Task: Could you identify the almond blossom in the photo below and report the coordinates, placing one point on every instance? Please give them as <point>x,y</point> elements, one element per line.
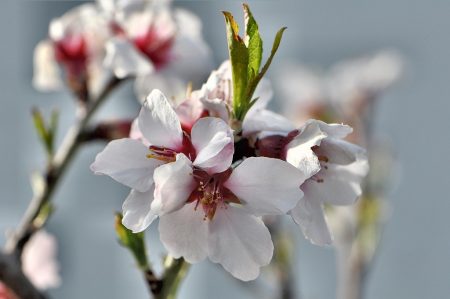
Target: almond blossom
<point>150,40</point>
<point>207,208</point>
<point>162,46</point>
<point>336,169</point>
<point>75,47</point>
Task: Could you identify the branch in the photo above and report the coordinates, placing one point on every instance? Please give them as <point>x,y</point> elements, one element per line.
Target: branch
<point>55,171</point>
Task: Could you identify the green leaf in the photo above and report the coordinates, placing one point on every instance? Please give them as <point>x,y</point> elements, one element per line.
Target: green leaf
<point>239,58</point>
<point>45,133</point>
<point>246,57</point>
<point>134,242</point>
<point>275,45</point>
<point>254,43</point>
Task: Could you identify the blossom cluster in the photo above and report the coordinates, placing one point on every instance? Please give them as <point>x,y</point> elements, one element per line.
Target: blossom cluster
<point>147,40</point>
<point>209,178</point>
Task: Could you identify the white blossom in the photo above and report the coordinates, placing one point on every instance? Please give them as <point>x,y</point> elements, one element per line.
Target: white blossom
<point>206,207</point>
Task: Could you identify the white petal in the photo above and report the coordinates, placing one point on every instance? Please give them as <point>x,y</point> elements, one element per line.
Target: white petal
<point>216,108</point>
<point>340,151</point>
<point>331,130</point>
<point>39,261</point>
<point>309,215</point>
<point>240,242</point>
<point>262,120</point>
<point>125,160</point>
<point>266,185</point>
<point>137,214</point>
<point>47,75</point>
<point>299,153</point>
<point>339,185</point>
<point>159,123</point>
<point>174,183</point>
<point>190,110</point>
<point>125,60</point>
<point>184,233</point>
<point>213,141</point>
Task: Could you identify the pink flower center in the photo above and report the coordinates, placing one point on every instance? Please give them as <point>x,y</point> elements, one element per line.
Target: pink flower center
<point>210,193</point>
<point>71,52</point>
<point>155,46</point>
<point>275,146</point>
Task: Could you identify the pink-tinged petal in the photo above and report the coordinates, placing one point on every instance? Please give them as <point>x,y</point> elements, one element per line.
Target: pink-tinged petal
<point>174,183</point>
<point>125,160</point>
<point>339,184</point>
<point>266,186</point>
<point>308,214</point>
<point>299,153</point>
<point>47,75</point>
<point>136,134</point>
<point>263,120</point>
<point>184,233</point>
<point>213,141</point>
<point>125,60</point>
<point>137,213</point>
<point>216,108</point>
<point>240,242</point>
<point>190,110</point>
<point>39,261</point>
<point>159,123</point>
<point>340,151</point>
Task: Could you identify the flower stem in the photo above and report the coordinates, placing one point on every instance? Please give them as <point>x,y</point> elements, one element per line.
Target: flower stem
<point>176,270</point>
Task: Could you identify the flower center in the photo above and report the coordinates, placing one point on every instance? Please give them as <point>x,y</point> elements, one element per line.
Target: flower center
<point>160,153</point>
<point>323,160</point>
<point>275,146</point>
<point>210,193</point>
<point>155,46</point>
<point>71,52</point>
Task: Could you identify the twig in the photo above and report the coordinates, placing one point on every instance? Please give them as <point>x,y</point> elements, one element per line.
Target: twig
<point>55,171</point>
<point>10,264</point>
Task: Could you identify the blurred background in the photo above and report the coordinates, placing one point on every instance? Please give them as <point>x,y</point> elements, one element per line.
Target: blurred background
<point>414,258</point>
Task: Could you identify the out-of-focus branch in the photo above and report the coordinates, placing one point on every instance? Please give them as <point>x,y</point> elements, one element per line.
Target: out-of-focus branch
<point>39,208</point>
<point>55,171</point>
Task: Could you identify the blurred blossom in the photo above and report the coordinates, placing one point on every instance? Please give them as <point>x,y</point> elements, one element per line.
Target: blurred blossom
<point>39,262</point>
<point>75,47</point>
<point>157,43</point>
<point>160,45</point>
<point>364,77</point>
<point>341,92</point>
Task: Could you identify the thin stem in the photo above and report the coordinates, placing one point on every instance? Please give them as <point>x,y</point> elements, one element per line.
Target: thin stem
<point>176,270</point>
<point>55,171</point>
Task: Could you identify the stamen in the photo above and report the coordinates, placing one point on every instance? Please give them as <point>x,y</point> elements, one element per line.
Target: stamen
<point>161,158</point>
<point>323,158</point>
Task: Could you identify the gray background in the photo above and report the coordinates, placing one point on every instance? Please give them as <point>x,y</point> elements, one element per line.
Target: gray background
<point>414,260</point>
